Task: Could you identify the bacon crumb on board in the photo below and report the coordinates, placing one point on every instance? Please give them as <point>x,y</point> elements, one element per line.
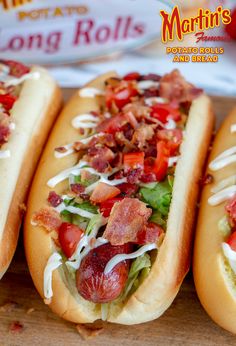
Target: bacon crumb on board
<point>88,332</point>
<point>16,327</point>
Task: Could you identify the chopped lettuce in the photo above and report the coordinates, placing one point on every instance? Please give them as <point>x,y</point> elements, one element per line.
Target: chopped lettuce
<point>77,180</point>
<point>159,197</point>
<point>138,271</point>
<point>157,218</point>
<point>95,223</point>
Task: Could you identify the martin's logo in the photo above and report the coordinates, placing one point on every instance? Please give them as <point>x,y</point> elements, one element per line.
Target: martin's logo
<point>9,4</point>
<point>173,26</point>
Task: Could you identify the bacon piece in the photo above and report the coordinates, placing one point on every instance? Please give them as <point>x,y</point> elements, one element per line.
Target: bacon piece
<point>54,199</point>
<point>231,210</point>
<point>78,189</point>
<point>149,234</point>
<point>134,175</point>
<point>4,128</point>
<point>128,189</point>
<point>137,109</point>
<point>174,87</point>
<point>102,192</point>
<point>143,134</point>
<point>151,76</point>
<point>127,218</point>
<point>100,157</point>
<point>47,218</point>
<point>16,327</point>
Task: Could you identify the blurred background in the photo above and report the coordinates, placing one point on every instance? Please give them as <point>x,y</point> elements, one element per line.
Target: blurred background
<point>78,40</point>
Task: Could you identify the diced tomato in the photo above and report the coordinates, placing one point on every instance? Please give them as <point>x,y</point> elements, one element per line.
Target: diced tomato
<point>133,161</point>
<point>113,124</point>
<point>132,76</point>
<point>103,192</point>
<point>159,165</point>
<point>128,189</point>
<point>69,237</point>
<point>149,234</point>
<point>16,68</point>
<point>163,111</point>
<point>7,100</point>
<point>105,207</point>
<point>231,209</point>
<point>173,139</point>
<point>232,241</point>
<point>120,96</point>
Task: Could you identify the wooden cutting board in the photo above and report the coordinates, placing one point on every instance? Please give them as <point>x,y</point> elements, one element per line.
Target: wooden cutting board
<point>184,323</point>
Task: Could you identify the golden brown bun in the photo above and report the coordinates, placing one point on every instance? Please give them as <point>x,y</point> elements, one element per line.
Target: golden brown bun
<point>213,279</point>
<point>33,113</point>
<point>172,263</point>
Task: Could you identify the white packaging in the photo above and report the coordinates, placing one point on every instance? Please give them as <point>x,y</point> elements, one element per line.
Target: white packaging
<point>61,31</point>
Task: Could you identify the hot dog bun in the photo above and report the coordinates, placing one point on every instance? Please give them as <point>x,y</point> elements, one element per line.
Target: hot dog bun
<point>161,286</point>
<point>33,113</point>
<point>213,278</point>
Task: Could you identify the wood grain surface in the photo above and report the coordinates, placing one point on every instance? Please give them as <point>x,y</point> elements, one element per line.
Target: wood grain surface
<point>184,323</point>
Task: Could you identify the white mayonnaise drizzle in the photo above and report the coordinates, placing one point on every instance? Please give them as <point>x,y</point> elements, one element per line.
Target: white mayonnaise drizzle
<point>222,195</point>
<point>90,92</point>
<point>146,84</point>
<point>170,125</point>
<point>74,210</point>
<point>172,160</point>
<point>68,150</point>
<point>233,128</point>
<point>230,255</point>
<point>122,257</point>
<point>4,154</point>
<point>224,183</point>
<point>224,159</point>
<point>84,245</point>
<point>75,170</point>
<point>85,121</point>
<point>16,81</point>
<point>150,101</point>
<point>54,261</point>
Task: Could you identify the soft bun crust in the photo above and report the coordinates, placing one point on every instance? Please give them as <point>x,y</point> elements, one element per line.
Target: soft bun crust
<point>33,113</point>
<point>161,286</point>
<point>214,281</point>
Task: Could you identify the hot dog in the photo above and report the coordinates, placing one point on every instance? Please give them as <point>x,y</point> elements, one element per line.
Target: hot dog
<point>110,213</point>
<point>29,102</point>
<point>214,249</point>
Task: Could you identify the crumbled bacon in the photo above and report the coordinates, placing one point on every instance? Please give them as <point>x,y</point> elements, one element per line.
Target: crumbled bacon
<point>137,109</point>
<point>148,177</point>
<point>106,139</point>
<point>4,128</point>
<point>231,210</point>
<point>123,141</point>
<point>149,234</point>
<point>61,149</point>
<point>54,199</point>
<point>122,226</point>
<point>143,134</point>
<point>88,332</point>
<point>47,218</point>
<point>78,189</point>
<point>208,179</point>
<point>174,87</point>
<point>16,327</point>
<point>134,175</point>
<point>16,68</point>
<point>103,192</point>
<point>128,189</point>
<point>100,157</point>
<point>152,92</point>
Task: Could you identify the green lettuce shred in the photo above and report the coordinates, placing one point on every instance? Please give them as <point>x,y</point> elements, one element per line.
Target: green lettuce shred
<point>157,218</point>
<point>159,197</point>
<point>139,269</point>
<point>224,226</point>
